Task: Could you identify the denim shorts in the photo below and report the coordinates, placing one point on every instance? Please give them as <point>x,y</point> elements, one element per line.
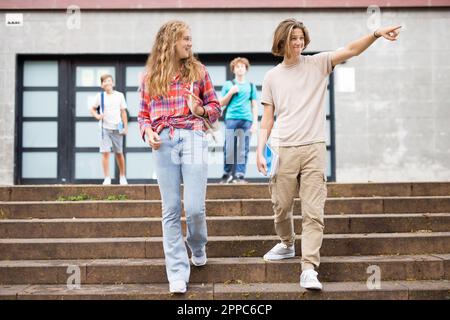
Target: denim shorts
<point>111,139</point>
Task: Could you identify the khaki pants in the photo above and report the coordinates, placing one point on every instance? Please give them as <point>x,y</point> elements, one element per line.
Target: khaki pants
<point>301,172</point>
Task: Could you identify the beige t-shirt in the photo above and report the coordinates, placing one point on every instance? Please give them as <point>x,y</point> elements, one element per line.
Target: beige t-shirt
<point>297,93</point>
<point>113,104</point>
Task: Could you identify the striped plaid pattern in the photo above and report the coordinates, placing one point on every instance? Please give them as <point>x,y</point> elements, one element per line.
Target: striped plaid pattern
<point>172,111</point>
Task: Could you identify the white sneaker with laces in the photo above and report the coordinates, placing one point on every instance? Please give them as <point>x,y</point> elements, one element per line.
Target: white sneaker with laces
<point>177,286</point>
<point>308,280</point>
<point>123,180</point>
<point>107,181</point>
<point>199,261</point>
<point>280,251</point>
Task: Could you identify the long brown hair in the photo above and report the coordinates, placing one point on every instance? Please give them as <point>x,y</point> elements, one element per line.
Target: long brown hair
<point>282,35</point>
<point>160,64</point>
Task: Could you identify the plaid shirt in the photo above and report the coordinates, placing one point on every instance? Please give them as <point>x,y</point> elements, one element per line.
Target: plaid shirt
<point>172,111</point>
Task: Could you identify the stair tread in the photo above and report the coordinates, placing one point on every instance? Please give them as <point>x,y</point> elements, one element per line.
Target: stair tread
<point>222,218</point>
<point>224,260</point>
<point>221,200</point>
<point>157,291</point>
<point>406,289</point>
<point>265,289</point>
<point>224,238</point>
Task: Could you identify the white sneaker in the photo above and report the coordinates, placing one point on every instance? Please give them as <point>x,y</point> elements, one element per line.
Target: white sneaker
<point>123,180</point>
<point>308,280</point>
<point>177,286</point>
<point>279,252</point>
<point>199,261</point>
<point>107,181</point>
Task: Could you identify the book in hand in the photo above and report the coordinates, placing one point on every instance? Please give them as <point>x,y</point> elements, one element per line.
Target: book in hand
<point>271,160</point>
<point>211,128</point>
<point>121,128</point>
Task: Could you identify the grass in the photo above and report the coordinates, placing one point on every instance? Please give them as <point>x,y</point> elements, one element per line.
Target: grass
<point>3,215</point>
<point>85,197</point>
<point>249,253</point>
<point>80,197</point>
<point>116,197</point>
<point>233,281</point>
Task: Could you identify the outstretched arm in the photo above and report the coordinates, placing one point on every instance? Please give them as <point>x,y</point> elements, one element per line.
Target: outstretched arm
<point>356,47</point>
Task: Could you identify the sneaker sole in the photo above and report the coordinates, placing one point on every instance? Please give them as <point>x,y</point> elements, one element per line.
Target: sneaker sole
<point>311,287</point>
<point>178,292</point>
<point>199,265</point>
<point>279,258</point>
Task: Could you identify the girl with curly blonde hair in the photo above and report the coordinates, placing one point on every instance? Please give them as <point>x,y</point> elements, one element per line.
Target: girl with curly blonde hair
<point>177,96</point>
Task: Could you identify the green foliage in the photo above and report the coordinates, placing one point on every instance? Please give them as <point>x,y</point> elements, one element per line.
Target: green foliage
<point>116,197</point>
<point>80,197</point>
<point>85,197</point>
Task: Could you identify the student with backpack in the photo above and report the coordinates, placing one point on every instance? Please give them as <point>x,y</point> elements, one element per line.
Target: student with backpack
<point>110,109</point>
<point>239,97</point>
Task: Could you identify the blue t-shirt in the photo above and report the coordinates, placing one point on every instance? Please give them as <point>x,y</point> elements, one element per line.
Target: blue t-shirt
<point>240,107</point>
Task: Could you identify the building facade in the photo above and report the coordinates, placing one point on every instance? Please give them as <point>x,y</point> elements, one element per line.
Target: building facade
<point>388,110</point>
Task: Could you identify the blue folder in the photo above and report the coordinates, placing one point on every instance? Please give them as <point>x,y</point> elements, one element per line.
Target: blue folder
<point>272,160</point>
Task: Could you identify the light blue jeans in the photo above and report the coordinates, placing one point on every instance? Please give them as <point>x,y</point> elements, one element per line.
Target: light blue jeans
<point>182,159</point>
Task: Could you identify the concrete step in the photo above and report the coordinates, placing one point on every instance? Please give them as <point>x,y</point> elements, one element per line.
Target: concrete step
<point>218,191</point>
<point>152,208</point>
<point>218,226</point>
<point>225,270</point>
<point>159,291</point>
<point>222,246</point>
<point>390,290</point>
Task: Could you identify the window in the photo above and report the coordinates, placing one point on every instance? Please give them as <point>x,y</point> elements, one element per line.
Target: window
<point>58,139</point>
<point>38,103</point>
